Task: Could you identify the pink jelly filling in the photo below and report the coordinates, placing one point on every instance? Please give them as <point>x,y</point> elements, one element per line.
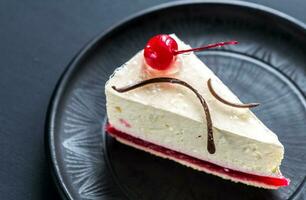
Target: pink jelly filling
<point>273,181</point>
<point>125,123</point>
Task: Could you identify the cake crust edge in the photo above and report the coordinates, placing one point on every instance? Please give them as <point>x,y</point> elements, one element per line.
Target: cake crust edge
<point>191,165</point>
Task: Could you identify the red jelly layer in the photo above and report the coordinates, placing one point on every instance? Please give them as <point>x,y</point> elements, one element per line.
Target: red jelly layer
<point>272,181</point>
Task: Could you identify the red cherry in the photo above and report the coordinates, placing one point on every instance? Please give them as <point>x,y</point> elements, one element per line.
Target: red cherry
<point>161,51</point>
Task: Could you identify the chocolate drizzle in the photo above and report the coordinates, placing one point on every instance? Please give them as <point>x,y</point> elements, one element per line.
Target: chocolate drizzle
<point>210,138</point>
<point>213,92</point>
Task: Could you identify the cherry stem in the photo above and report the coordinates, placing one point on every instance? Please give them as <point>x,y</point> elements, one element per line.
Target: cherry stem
<point>219,44</point>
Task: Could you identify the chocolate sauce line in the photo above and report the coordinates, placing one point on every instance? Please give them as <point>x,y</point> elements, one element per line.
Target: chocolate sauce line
<point>213,92</point>
<point>210,138</point>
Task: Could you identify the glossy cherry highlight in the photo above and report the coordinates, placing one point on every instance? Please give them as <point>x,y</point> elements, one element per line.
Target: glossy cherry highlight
<point>161,51</point>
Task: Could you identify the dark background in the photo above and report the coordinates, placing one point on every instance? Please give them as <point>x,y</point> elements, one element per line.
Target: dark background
<point>38,38</point>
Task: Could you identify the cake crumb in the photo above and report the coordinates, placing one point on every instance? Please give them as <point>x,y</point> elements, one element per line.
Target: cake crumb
<point>118,109</point>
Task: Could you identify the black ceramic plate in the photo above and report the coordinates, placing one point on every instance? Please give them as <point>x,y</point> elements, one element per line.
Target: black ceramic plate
<point>268,66</point>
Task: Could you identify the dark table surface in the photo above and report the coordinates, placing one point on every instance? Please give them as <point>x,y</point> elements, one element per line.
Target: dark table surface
<point>37,40</point>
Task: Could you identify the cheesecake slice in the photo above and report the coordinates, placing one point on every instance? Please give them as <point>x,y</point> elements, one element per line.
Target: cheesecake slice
<point>167,120</point>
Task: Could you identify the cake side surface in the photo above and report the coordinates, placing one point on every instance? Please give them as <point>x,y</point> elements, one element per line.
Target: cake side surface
<point>189,137</point>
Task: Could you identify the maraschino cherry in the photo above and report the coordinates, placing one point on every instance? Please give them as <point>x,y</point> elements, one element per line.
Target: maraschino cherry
<point>161,51</point>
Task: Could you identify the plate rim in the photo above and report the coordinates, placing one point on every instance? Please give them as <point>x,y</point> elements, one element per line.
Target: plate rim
<point>88,47</point>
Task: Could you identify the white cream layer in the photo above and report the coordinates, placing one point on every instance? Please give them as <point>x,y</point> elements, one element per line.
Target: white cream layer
<point>172,116</point>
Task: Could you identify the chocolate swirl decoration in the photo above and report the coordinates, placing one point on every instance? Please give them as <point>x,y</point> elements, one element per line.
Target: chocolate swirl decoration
<point>213,92</point>
<point>210,138</point>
